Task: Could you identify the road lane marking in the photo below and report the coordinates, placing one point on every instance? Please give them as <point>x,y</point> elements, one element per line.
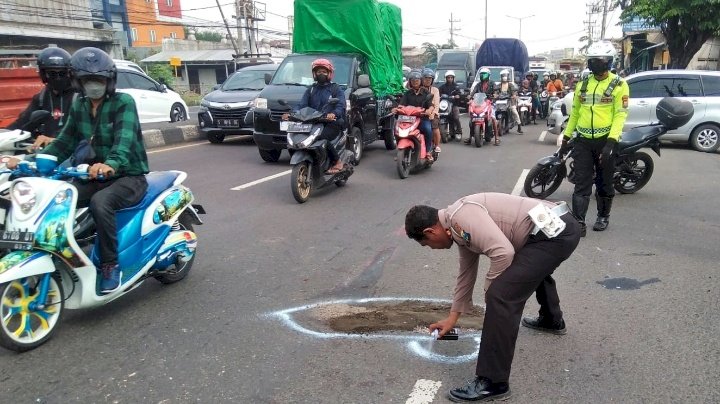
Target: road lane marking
<point>177,147</point>
<point>520,182</point>
<point>542,136</point>
<point>424,392</point>
<point>260,181</point>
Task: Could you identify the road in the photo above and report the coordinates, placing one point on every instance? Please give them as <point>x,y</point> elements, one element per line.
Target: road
<point>640,300</point>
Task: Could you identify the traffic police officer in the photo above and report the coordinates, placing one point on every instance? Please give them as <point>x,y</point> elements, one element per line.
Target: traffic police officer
<point>523,257</point>
<point>598,114</point>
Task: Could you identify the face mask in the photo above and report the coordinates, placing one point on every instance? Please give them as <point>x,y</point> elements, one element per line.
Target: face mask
<point>321,78</point>
<point>59,84</point>
<point>597,66</point>
<point>94,90</point>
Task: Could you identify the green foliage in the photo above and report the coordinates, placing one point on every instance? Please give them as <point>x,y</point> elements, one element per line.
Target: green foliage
<point>210,36</point>
<point>686,24</point>
<point>431,50</point>
<point>162,73</point>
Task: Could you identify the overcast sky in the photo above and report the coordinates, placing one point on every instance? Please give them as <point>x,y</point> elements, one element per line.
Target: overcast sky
<point>556,24</point>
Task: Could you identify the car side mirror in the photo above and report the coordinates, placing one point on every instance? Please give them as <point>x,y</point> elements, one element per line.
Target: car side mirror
<point>363,81</point>
<point>163,88</point>
<point>217,86</point>
<point>268,77</point>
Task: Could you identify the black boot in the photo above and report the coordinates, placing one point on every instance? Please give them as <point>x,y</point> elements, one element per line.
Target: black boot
<point>603,220</point>
<point>520,132</point>
<point>480,389</point>
<point>579,208</point>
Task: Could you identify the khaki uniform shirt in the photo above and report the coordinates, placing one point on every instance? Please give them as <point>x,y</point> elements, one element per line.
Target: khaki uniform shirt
<point>492,224</point>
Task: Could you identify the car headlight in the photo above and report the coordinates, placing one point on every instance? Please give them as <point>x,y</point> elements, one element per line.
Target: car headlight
<point>24,195</point>
<point>204,103</point>
<point>261,103</point>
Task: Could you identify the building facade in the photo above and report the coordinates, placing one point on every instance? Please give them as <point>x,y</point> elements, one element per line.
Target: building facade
<point>151,21</point>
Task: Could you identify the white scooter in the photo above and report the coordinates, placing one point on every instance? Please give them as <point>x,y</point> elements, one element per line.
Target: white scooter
<point>48,269</point>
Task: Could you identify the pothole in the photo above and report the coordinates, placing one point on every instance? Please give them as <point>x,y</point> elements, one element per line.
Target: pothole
<point>367,317</point>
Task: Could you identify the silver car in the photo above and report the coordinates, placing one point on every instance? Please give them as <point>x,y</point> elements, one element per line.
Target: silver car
<point>701,88</point>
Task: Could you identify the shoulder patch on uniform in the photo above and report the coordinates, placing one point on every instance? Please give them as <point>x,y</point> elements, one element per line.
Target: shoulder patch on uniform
<point>625,99</point>
<point>462,233</point>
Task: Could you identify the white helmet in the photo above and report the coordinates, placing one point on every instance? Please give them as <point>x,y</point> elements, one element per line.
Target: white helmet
<point>450,73</point>
<point>504,75</point>
<point>601,50</point>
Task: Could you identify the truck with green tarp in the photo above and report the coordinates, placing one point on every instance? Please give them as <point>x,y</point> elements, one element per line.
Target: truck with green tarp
<point>363,39</point>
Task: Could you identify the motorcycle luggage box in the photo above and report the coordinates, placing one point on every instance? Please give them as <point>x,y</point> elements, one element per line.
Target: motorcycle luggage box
<point>674,113</point>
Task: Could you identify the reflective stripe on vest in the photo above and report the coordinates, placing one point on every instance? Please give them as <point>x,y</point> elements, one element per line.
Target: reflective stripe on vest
<point>600,132</point>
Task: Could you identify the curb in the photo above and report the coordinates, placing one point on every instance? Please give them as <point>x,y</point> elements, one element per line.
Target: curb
<point>155,138</point>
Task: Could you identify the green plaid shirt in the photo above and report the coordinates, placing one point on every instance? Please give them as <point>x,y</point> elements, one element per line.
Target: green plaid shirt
<point>115,132</point>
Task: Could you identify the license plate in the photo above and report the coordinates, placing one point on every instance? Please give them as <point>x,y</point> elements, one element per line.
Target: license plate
<point>17,240</point>
<point>478,119</point>
<point>229,123</point>
<point>406,118</point>
<point>298,127</point>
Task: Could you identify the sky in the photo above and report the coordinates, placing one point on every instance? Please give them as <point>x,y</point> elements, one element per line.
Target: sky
<point>555,24</point>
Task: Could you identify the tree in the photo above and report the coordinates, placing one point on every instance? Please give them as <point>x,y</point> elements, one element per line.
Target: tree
<point>686,24</point>
<point>162,73</point>
<point>210,36</point>
<point>431,50</point>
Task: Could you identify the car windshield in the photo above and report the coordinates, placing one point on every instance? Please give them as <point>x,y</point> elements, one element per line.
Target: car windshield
<point>295,70</point>
<point>246,80</point>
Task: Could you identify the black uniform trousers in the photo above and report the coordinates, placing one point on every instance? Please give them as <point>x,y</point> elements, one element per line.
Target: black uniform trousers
<point>589,169</point>
<point>530,271</point>
<point>104,199</point>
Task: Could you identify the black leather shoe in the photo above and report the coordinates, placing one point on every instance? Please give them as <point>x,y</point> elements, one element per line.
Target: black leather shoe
<point>583,229</point>
<point>601,223</point>
<point>478,390</point>
<point>541,324</point>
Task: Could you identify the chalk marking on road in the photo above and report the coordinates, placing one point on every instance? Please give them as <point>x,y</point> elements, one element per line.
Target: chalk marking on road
<point>542,136</point>
<point>177,147</point>
<point>520,182</point>
<point>413,342</point>
<point>260,181</point>
<point>424,392</point>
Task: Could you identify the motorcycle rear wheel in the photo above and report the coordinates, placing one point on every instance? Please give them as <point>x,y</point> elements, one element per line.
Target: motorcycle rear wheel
<point>633,172</point>
<point>403,161</point>
<point>543,180</point>
<point>181,269</point>
<point>23,329</point>
<point>301,181</point>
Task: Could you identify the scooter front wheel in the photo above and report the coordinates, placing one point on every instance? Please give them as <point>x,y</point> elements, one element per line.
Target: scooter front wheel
<point>404,157</point>
<point>24,325</point>
<point>301,182</point>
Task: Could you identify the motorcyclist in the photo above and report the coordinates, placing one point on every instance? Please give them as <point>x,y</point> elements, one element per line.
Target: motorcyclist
<point>316,96</point>
<point>599,111</point>
<point>103,130</point>
<point>417,96</point>
<point>554,85</point>
<point>452,90</point>
<point>570,81</point>
<point>531,77</point>
<point>506,89</point>
<point>428,76</point>
<point>488,87</point>
<point>546,80</point>
<point>58,94</point>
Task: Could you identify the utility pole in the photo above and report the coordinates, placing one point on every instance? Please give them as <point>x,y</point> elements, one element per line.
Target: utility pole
<point>453,29</point>
<point>486,1</point>
<point>520,19</point>
<point>291,28</point>
<point>227,27</point>
<point>605,11</point>
<point>238,18</point>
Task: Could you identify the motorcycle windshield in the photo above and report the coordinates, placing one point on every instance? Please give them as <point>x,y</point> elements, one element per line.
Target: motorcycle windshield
<point>307,114</point>
<point>479,98</point>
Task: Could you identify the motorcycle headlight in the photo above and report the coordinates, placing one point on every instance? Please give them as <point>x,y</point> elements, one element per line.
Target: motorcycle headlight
<point>388,104</point>
<point>443,104</point>
<point>24,195</point>
<point>261,103</point>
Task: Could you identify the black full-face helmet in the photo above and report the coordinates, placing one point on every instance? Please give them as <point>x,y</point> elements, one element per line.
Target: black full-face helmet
<point>88,62</point>
<point>52,58</point>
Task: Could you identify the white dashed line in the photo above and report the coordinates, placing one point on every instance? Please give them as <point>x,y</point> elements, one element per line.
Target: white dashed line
<point>542,136</point>
<point>423,392</point>
<point>260,181</point>
<point>520,182</point>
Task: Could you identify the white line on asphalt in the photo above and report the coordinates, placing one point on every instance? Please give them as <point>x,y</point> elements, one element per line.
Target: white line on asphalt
<point>260,181</point>
<point>519,184</point>
<point>542,136</point>
<point>423,392</point>
<point>178,147</point>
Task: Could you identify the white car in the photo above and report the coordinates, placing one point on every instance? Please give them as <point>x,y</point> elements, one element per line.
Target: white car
<point>154,101</point>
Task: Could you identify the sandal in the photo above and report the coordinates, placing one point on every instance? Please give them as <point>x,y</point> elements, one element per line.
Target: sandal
<point>497,142</point>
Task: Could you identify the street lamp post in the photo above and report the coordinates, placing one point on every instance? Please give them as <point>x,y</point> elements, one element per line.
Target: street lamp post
<point>520,19</point>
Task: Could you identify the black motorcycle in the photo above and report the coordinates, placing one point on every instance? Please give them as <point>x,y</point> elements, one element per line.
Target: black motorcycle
<point>310,154</point>
<point>502,114</point>
<point>448,131</point>
<point>544,104</point>
<point>633,168</point>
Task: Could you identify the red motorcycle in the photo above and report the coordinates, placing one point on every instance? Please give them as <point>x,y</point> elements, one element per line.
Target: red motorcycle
<point>411,155</point>
<point>481,122</point>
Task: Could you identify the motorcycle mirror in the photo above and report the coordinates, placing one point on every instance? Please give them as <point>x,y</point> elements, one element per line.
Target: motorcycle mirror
<point>268,77</point>
<point>333,101</point>
<point>37,118</point>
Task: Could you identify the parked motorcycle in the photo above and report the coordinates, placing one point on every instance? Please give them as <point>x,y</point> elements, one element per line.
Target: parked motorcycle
<point>310,155</point>
<point>411,155</point>
<point>525,108</point>
<point>448,131</point>
<point>48,270</point>
<point>633,168</point>
<point>482,129</point>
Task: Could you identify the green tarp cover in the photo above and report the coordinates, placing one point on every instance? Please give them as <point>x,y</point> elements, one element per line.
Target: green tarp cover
<point>364,27</point>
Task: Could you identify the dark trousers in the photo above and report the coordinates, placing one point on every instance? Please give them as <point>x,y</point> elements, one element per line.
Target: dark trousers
<point>455,121</point>
<point>589,169</point>
<point>529,272</point>
<point>104,198</point>
<point>330,132</point>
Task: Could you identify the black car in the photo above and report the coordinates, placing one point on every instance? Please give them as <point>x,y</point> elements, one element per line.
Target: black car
<point>225,110</point>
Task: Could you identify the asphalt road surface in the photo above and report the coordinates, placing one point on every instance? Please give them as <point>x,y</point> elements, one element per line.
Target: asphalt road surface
<point>640,299</point>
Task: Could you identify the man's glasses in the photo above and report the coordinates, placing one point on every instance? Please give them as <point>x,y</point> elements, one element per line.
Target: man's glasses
<point>53,74</point>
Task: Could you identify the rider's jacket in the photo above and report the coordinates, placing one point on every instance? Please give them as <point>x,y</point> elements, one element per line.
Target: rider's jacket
<point>448,89</point>
<point>601,110</point>
<point>317,96</point>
